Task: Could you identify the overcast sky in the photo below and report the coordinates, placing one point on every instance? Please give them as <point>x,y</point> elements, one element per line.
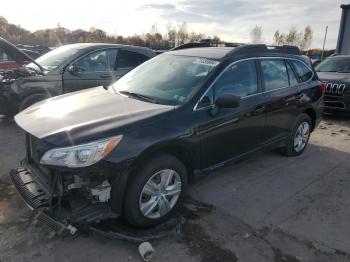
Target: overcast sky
<point>231,20</point>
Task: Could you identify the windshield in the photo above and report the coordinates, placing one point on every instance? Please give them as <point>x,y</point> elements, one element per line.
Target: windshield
<point>335,64</point>
<point>54,58</point>
<point>166,79</point>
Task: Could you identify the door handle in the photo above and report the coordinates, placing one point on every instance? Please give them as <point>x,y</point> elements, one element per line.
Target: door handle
<point>106,76</point>
<point>259,110</point>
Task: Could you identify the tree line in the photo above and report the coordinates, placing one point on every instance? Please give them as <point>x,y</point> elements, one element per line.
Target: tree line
<point>175,35</point>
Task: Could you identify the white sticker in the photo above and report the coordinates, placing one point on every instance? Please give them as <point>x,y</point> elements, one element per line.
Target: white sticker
<point>205,61</point>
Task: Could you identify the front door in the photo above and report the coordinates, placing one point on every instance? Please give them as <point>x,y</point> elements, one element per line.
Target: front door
<point>94,69</point>
<point>230,132</point>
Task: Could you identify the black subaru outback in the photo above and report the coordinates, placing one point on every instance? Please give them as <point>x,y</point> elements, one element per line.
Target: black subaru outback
<point>132,149</point>
<point>335,72</point>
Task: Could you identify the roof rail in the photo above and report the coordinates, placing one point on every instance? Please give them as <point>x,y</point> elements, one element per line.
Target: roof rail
<point>191,45</point>
<point>243,48</point>
<point>206,43</point>
<point>260,48</point>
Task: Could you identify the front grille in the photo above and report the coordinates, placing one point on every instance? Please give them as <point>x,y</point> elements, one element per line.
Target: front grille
<point>29,189</point>
<point>335,89</point>
<point>334,105</point>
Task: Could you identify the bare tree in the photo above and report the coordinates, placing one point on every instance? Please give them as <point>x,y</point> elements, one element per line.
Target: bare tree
<point>256,35</point>
<point>171,34</point>
<point>306,38</point>
<point>293,37</point>
<point>301,39</point>
<point>182,33</point>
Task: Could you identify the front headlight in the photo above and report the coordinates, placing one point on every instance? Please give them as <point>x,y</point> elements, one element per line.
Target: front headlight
<point>80,155</point>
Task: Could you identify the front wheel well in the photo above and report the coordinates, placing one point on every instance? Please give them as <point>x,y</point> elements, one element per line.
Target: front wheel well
<point>180,153</point>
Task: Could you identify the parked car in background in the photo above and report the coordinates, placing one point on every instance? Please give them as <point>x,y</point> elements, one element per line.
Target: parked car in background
<point>335,72</point>
<point>131,150</point>
<point>66,69</point>
<point>7,62</point>
<point>32,54</point>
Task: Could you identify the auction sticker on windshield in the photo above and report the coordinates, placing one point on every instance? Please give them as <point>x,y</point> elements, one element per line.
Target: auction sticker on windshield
<point>205,61</point>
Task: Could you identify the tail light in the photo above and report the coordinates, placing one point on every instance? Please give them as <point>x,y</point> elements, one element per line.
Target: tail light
<point>323,87</point>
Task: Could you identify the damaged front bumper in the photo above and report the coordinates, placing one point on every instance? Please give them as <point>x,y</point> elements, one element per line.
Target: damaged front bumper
<point>8,103</point>
<point>56,207</point>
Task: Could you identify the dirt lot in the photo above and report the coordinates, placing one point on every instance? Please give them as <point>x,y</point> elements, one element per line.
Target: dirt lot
<point>265,208</point>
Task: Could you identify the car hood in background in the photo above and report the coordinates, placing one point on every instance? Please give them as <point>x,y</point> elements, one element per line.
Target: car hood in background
<point>16,54</point>
<point>333,76</point>
<point>85,114</point>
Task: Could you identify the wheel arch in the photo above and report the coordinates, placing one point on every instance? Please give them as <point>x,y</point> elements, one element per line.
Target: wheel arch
<point>179,150</point>
<point>312,114</point>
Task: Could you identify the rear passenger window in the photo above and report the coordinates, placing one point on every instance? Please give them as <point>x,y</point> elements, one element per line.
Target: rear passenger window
<point>293,80</point>
<point>240,80</point>
<point>274,74</point>
<point>128,59</point>
<point>302,70</point>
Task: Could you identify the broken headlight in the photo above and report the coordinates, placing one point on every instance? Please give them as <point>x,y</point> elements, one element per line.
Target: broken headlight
<point>80,155</point>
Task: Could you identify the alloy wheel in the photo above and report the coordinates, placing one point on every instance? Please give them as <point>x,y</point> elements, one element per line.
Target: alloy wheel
<point>301,136</point>
<point>160,194</point>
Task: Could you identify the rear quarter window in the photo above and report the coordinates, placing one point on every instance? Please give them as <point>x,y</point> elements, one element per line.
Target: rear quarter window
<point>304,72</point>
<point>129,59</point>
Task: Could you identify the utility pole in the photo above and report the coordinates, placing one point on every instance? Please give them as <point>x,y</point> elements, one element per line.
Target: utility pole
<point>324,42</point>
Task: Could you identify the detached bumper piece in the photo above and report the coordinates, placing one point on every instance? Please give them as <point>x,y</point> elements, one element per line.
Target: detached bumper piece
<point>28,188</point>
<point>56,227</point>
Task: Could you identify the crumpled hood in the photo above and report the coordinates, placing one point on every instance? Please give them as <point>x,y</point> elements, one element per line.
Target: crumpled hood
<point>333,76</point>
<point>86,113</point>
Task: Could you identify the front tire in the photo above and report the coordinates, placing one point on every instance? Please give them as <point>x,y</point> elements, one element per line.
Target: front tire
<point>299,137</point>
<point>154,191</point>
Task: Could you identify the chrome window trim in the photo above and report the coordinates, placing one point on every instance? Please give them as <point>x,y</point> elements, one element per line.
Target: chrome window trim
<point>264,92</point>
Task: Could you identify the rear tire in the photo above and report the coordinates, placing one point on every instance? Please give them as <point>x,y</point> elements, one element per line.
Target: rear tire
<point>154,191</point>
<point>299,137</point>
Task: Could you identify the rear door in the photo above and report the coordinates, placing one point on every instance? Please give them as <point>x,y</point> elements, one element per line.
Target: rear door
<point>282,91</point>
<point>94,69</point>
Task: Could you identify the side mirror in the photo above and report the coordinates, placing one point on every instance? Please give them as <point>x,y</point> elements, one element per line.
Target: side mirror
<point>228,101</point>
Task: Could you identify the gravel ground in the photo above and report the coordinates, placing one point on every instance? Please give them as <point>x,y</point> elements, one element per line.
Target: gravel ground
<point>265,208</point>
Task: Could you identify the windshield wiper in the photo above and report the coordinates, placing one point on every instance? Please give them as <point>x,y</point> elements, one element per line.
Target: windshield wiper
<point>142,97</point>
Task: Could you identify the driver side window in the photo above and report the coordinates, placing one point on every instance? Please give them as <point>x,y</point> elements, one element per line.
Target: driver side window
<point>99,61</point>
<point>239,79</point>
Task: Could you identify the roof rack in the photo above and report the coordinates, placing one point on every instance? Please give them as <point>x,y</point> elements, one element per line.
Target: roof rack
<point>243,48</point>
<point>206,43</point>
<point>260,48</point>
